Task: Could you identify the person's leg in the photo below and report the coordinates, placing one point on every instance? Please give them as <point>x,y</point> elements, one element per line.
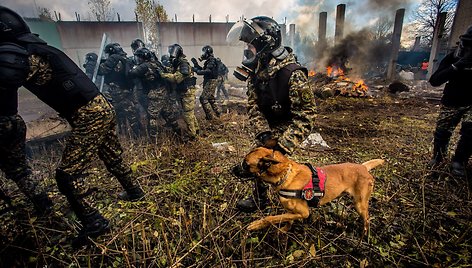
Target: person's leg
<point>212,84</point>
<point>204,99</point>
<point>13,162</point>
<point>448,119</point>
<point>257,200</point>
<point>188,105</point>
<point>464,145</point>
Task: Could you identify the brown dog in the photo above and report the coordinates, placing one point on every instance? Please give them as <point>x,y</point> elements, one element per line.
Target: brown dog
<point>287,175</point>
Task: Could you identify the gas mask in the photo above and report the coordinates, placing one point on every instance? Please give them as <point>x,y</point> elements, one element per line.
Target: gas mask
<point>249,63</point>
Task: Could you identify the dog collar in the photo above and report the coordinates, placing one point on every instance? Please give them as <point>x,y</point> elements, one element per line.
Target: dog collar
<point>277,184</point>
<point>312,191</point>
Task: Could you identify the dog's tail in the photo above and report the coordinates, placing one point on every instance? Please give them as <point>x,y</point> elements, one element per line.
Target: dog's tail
<point>373,163</point>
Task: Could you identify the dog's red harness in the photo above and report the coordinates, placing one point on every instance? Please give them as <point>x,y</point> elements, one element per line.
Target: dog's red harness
<point>313,191</point>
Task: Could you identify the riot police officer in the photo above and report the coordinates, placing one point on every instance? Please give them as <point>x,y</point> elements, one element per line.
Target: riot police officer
<point>59,82</point>
<point>151,93</point>
<point>210,81</point>
<point>281,103</point>
<point>456,105</point>
<point>114,70</point>
<point>181,77</point>
<point>14,67</point>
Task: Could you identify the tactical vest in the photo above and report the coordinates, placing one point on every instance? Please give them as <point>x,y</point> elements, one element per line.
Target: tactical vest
<point>118,75</point>
<point>274,100</point>
<point>67,89</point>
<point>214,69</point>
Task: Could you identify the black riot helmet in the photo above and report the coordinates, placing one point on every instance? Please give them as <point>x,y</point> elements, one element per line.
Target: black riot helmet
<point>14,65</point>
<point>91,57</point>
<point>175,51</point>
<point>143,54</point>
<point>262,32</point>
<point>207,51</point>
<point>464,50</point>
<point>165,60</point>
<point>262,36</point>
<point>137,43</point>
<point>13,28</point>
<point>113,48</point>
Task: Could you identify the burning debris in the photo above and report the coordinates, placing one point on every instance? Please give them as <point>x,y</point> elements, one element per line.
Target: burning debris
<point>335,82</point>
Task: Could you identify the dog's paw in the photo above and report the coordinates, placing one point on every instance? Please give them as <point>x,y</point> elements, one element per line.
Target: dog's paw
<point>255,225</point>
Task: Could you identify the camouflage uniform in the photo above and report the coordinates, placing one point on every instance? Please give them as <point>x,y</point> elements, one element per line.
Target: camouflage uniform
<point>155,95</point>
<point>13,160</point>
<point>56,80</point>
<point>182,80</point>
<point>294,127</point>
<point>210,83</point>
<point>114,72</point>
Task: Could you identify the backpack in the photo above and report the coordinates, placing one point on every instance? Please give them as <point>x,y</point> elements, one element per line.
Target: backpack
<point>221,67</point>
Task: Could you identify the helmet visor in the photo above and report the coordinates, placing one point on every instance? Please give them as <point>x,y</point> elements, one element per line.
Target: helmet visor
<point>243,31</point>
<point>173,51</point>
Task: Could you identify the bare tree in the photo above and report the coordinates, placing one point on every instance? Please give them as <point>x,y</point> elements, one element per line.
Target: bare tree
<point>427,14</point>
<point>102,10</point>
<point>150,13</point>
<point>382,29</point>
<point>45,14</point>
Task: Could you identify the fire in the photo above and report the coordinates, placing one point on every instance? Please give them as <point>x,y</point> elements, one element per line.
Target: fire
<point>353,88</point>
<point>334,71</point>
<point>311,73</point>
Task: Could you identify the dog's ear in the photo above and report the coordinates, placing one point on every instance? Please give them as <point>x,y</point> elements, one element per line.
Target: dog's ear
<point>269,160</point>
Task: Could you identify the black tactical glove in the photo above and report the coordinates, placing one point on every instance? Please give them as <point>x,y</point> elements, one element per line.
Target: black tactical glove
<point>463,64</point>
<point>195,64</point>
<point>267,139</point>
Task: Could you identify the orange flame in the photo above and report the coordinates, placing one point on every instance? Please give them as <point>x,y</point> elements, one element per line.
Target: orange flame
<point>333,71</point>
<point>311,73</point>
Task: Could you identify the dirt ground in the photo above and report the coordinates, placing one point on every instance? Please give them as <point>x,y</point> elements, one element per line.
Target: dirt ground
<point>419,217</point>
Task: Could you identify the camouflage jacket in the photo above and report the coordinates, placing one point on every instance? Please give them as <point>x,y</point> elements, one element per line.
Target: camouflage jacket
<point>295,130</point>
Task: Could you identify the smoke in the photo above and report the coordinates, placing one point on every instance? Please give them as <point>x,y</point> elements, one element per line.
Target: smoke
<point>380,5</point>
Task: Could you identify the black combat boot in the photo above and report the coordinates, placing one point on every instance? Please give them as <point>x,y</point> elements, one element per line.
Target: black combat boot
<point>42,204</point>
<point>461,156</point>
<point>441,142</point>
<point>94,225</point>
<point>132,194</point>
<point>258,199</point>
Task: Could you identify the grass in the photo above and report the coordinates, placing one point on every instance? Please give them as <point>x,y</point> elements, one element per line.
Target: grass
<point>188,219</point>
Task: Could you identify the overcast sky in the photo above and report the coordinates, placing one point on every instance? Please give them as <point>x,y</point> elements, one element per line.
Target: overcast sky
<point>303,13</point>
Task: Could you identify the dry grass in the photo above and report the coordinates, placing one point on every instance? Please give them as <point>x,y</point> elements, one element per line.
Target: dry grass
<point>419,218</point>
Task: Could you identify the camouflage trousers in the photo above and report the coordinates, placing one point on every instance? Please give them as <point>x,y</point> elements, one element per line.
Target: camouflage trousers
<point>93,134</point>
<point>126,114</point>
<point>448,119</point>
<point>220,88</point>
<point>186,99</point>
<point>162,103</point>
<point>13,155</point>
<point>207,98</point>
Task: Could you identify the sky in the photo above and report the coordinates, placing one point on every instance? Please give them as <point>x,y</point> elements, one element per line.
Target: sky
<point>302,13</point>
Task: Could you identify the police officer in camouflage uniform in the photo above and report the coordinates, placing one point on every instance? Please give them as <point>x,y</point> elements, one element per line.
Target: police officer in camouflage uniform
<point>59,82</point>
<point>89,67</point>
<point>455,70</point>
<point>181,78</point>
<point>210,81</point>
<point>114,70</point>
<point>281,102</point>
<point>151,92</point>
<point>222,77</point>
<point>14,68</point>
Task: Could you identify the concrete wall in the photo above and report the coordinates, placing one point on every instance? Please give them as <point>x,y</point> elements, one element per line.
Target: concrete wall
<point>79,38</point>
<point>462,20</point>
